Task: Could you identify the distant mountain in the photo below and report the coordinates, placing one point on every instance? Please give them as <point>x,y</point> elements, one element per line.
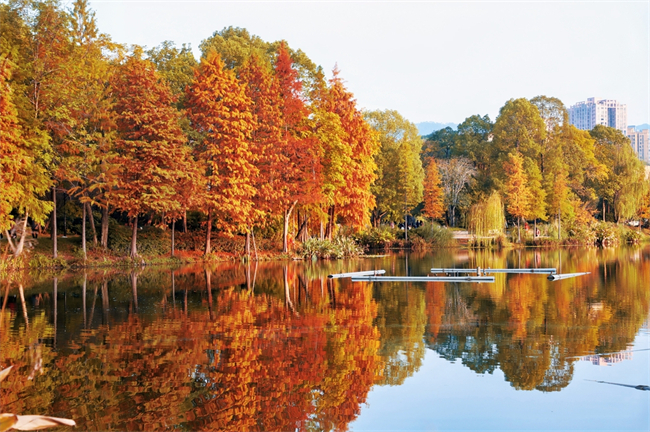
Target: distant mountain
<point>427,128</point>
<point>642,127</point>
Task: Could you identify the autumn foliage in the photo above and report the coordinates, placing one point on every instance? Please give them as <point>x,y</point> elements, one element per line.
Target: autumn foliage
<point>434,206</point>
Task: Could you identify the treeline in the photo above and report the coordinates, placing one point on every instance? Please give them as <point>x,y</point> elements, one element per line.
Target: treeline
<point>251,134</point>
<point>254,137</point>
<point>541,167</point>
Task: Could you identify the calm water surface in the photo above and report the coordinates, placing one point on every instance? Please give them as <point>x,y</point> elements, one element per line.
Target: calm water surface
<point>281,347</point>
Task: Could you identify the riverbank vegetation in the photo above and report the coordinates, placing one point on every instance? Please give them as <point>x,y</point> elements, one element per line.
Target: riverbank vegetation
<point>251,150</point>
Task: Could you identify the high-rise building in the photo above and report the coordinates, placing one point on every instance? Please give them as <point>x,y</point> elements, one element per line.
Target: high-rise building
<point>607,112</point>
<point>639,141</point>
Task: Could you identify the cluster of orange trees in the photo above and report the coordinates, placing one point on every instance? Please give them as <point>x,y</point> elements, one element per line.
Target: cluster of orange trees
<point>239,136</point>
<point>254,135</point>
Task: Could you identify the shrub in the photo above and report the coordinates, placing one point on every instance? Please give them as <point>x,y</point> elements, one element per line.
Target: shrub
<point>44,261</point>
<point>606,233</point>
<point>584,234</point>
<point>432,234</point>
<point>378,238</point>
<point>340,247</point>
<point>628,235</point>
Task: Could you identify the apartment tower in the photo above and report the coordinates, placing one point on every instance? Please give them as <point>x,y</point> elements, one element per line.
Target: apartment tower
<point>607,112</point>
<point>639,142</point>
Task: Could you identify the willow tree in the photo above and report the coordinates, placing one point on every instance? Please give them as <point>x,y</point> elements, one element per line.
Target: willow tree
<point>487,217</point>
<point>624,185</point>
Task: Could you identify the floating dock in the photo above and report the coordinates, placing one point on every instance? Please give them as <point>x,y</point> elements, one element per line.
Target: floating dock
<point>487,279</point>
<point>555,277</point>
<point>480,270</point>
<point>359,273</point>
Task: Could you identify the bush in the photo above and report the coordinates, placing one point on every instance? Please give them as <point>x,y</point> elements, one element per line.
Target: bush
<point>628,235</point>
<point>45,261</point>
<point>583,234</point>
<point>378,238</point>
<point>432,234</point>
<point>340,247</point>
<point>606,234</point>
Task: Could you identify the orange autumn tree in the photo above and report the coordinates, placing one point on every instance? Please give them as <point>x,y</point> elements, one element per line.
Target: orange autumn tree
<point>221,112</point>
<point>264,92</point>
<point>22,179</point>
<point>151,157</point>
<point>518,196</point>
<point>434,196</point>
<point>354,201</point>
<point>300,173</point>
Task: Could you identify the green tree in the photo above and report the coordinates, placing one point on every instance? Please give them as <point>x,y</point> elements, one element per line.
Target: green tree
<point>519,127</point>
<point>400,176</point>
<point>176,66</point>
<point>440,144</point>
<point>624,185</point>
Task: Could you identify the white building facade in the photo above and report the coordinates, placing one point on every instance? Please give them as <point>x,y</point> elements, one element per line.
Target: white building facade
<point>607,112</point>
<point>639,142</point>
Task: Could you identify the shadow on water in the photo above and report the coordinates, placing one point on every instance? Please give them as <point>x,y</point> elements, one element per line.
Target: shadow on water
<point>269,346</point>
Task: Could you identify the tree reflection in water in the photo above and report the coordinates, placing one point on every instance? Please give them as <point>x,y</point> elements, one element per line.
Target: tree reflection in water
<point>282,347</point>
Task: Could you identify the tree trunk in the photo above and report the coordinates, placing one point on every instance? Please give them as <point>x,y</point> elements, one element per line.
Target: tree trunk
<point>83,232</point>
<point>302,230</point>
<point>21,244</point>
<point>208,246</point>
<point>406,227</point>
<point>322,231</point>
<point>173,231</point>
<point>104,239</point>
<point>285,229</point>
<point>329,229</point>
<point>519,230</point>
<point>185,221</point>
<point>603,210</point>
<point>559,224</point>
<point>134,237</point>
<point>254,246</point>
<point>55,251</point>
<point>92,223</point>
<point>11,245</point>
<point>247,246</point>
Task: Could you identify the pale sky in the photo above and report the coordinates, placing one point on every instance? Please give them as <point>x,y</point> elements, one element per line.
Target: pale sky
<point>430,61</point>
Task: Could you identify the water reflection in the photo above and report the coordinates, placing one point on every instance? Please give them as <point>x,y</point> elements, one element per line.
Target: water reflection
<point>272,346</point>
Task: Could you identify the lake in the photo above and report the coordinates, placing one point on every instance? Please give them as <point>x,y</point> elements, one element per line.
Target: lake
<point>279,346</point>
